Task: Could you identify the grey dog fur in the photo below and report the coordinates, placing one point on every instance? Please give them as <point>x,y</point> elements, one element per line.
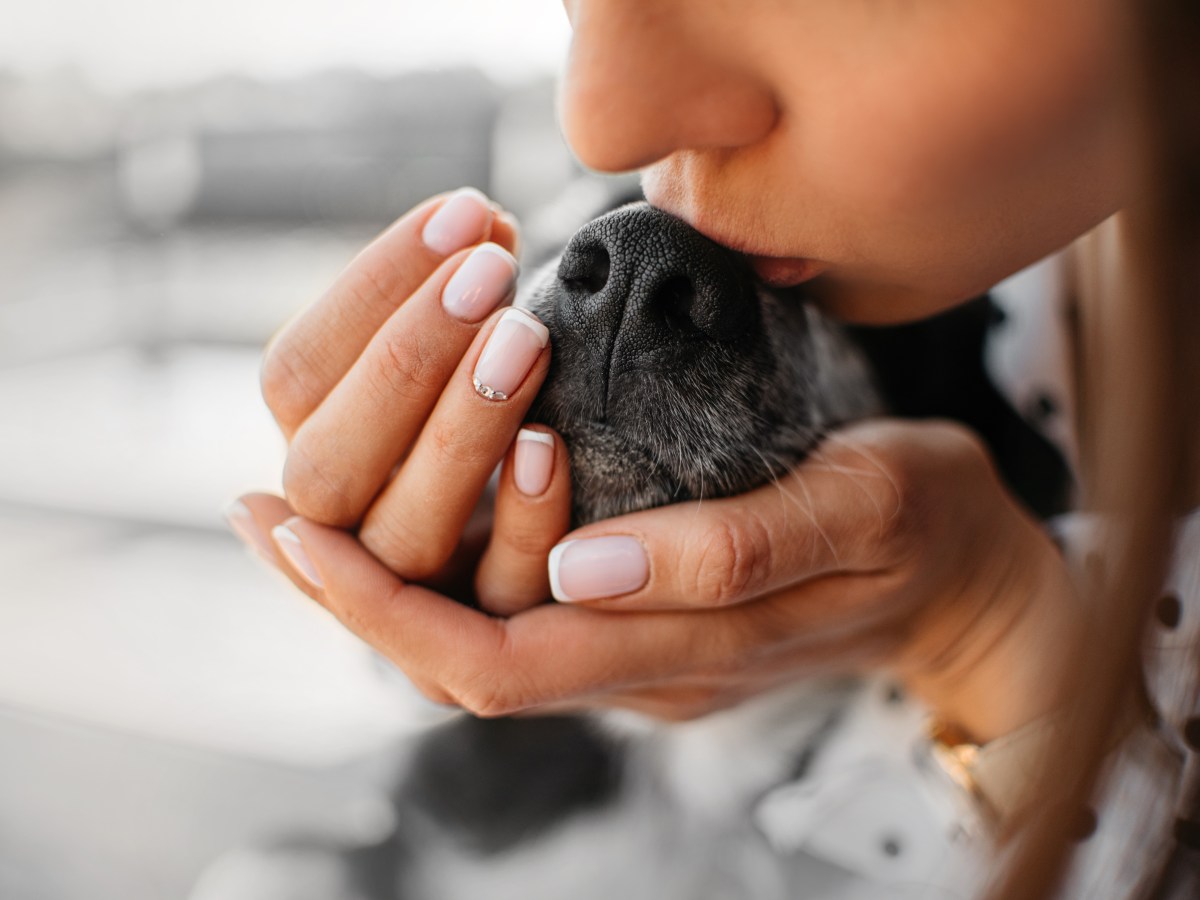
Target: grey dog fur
<point>709,407</point>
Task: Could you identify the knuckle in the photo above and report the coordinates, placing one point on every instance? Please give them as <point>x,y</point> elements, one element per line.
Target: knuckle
<point>732,558</point>
<point>277,384</point>
<point>524,541</point>
<point>373,287</point>
<point>484,705</point>
<point>287,380</point>
<point>487,698</point>
<point>904,476</point>
<point>969,450</point>
<point>898,510</point>
<point>434,693</point>
<point>492,685</point>
<point>951,461</point>
<point>948,442</point>
<point>406,367</point>
<point>412,554</point>
<point>456,443</point>
<point>314,492</point>
<point>900,492</point>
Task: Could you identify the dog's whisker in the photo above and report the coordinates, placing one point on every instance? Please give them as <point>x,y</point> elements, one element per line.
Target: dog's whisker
<point>806,508</point>
<point>775,479</point>
<point>810,511</point>
<point>852,475</point>
<point>874,461</point>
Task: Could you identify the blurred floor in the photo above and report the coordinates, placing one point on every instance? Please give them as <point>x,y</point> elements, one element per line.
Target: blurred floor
<point>163,696</point>
<point>92,814</point>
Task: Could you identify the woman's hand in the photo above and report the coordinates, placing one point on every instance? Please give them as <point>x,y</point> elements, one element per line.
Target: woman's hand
<point>894,545</point>
<point>403,387</point>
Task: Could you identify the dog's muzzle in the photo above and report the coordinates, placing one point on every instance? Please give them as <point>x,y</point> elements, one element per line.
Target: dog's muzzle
<point>640,291</point>
<point>674,372</point>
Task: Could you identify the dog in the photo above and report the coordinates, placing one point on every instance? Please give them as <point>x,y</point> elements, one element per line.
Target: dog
<point>676,376</point>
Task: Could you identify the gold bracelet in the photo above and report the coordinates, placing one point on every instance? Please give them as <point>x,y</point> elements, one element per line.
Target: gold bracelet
<point>995,775</point>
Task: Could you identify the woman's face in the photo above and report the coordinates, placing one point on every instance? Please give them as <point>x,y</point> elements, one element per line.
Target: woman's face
<point>908,154</point>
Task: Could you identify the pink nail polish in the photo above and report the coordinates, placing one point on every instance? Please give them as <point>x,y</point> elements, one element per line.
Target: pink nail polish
<point>533,462</point>
<point>484,279</point>
<point>289,545</point>
<point>461,221</point>
<point>594,568</point>
<point>512,349</point>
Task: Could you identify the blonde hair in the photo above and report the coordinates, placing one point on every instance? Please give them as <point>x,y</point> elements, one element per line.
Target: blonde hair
<point>1140,393</point>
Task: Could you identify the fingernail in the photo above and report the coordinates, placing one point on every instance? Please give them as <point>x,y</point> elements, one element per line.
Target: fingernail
<point>514,346</point>
<point>241,522</point>
<point>533,461</point>
<point>289,545</point>
<point>592,568</point>
<point>484,279</point>
<point>459,222</point>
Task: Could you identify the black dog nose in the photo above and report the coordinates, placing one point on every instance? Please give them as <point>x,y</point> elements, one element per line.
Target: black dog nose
<point>639,282</point>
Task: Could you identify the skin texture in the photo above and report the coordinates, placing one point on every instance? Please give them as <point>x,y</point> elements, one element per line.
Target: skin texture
<point>907,155</point>
<point>915,152</point>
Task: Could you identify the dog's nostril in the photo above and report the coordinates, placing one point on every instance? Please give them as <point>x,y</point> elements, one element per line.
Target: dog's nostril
<point>639,281</point>
<point>675,300</point>
<point>585,269</point>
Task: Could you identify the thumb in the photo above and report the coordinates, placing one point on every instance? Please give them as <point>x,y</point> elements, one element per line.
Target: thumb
<point>829,515</point>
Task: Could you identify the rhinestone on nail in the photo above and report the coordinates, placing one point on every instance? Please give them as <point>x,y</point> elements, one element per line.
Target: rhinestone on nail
<point>488,393</point>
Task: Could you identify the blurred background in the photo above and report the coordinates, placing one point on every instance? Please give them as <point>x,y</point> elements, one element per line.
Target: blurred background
<point>177,180</point>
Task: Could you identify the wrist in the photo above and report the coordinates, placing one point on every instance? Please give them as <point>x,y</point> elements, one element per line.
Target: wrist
<point>1001,658</point>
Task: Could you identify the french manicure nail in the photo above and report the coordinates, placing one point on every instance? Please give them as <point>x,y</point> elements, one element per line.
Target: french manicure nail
<point>459,222</point>
<point>511,350</point>
<point>241,522</point>
<point>483,280</point>
<point>533,462</point>
<point>594,568</point>
<point>290,546</point>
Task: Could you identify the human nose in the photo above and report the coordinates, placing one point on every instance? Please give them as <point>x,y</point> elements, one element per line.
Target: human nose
<point>647,79</point>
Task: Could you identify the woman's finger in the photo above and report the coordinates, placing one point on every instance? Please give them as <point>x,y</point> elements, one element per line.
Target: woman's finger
<point>547,654</point>
<point>310,356</point>
<point>345,451</point>
<point>415,524</point>
<point>849,509</point>
<point>726,551</point>
<point>532,513</point>
<point>251,518</point>
<point>505,231</point>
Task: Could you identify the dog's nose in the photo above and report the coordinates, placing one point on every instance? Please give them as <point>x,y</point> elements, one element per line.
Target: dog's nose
<point>638,282</point>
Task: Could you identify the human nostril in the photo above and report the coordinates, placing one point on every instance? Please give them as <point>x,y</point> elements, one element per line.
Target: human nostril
<point>586,269</point>
<point>675,300</point>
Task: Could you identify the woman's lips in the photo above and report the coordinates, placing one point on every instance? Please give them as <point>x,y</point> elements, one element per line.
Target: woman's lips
<point>784,272</point>
<point>777,271</point>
